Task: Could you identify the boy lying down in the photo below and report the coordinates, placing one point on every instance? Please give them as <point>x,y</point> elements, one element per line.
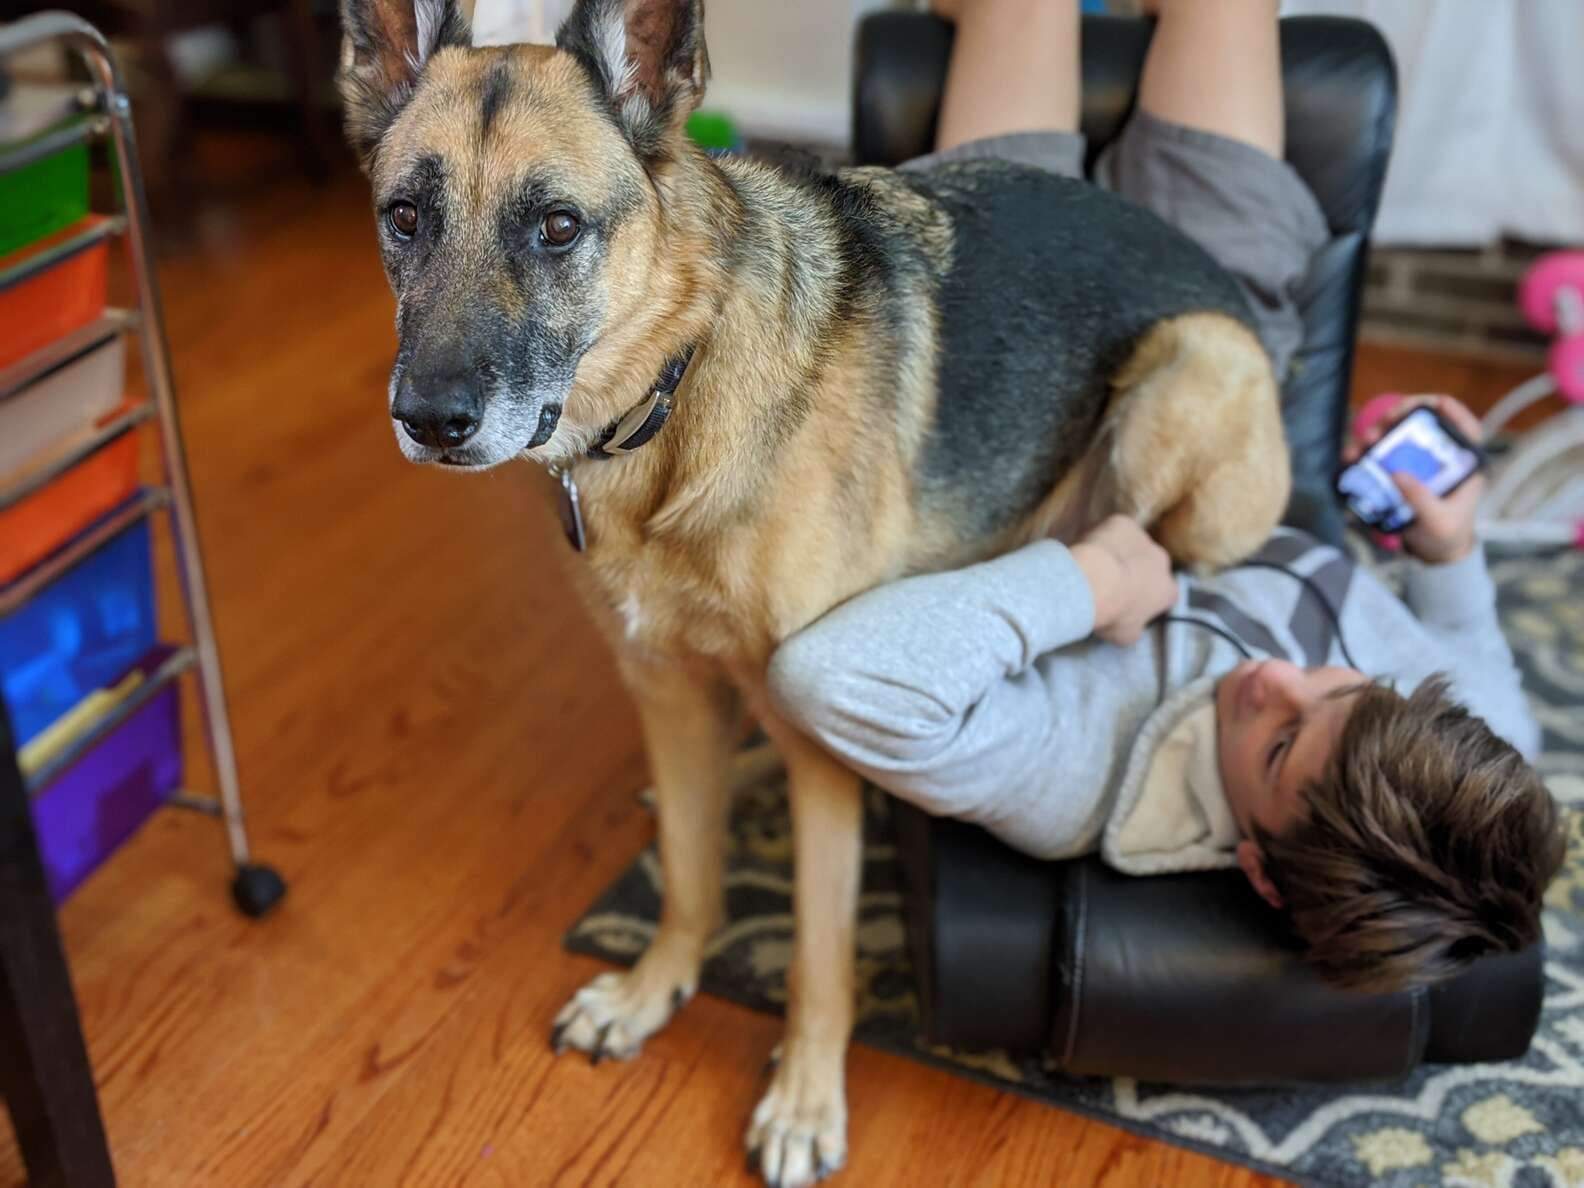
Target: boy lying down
<point>1363,760</point>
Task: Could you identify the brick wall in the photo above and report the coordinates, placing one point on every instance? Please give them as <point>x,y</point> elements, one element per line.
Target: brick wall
<point>1454,300</point>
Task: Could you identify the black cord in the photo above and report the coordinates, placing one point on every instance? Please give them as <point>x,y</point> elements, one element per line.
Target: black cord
<point>1308,584</point>
<point>1325,603</point>
<point>1226,635</point>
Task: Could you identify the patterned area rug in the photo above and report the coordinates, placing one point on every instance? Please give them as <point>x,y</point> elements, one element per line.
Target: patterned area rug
<point>1516,1125</point>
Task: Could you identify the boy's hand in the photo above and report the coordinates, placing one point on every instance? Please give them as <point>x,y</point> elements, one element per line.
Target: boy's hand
<point>1443,528</point>
<point>1130,576</point>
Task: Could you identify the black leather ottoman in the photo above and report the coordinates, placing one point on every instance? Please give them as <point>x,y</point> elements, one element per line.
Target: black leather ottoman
<point>1187,978</point>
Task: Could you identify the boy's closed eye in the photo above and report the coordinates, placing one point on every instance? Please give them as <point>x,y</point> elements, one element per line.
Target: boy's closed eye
<point>1278,753</point>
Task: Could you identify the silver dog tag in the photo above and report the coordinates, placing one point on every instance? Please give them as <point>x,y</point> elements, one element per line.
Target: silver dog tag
<point>571,510</point>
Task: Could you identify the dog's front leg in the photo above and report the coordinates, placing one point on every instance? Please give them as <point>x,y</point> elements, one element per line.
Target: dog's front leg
<point>799,1130</point>
<point>689,720</point>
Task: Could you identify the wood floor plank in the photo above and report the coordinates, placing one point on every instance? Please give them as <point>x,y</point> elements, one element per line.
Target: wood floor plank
<point>437,754</point>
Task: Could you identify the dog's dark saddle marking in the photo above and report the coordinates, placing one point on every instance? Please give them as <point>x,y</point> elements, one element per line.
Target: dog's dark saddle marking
<point>1052,284</point>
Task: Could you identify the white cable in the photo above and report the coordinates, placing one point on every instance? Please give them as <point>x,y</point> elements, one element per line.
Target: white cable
<point>1539,492</point>
<point>1555,497</point>
<point>1516,401</point>
<point>1568,499</point>
<point>1536,496</point>
<point>1527,460</point>
<point>1533,535</point>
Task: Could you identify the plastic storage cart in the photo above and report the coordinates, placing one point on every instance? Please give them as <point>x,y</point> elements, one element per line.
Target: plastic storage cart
<point>76,498</point>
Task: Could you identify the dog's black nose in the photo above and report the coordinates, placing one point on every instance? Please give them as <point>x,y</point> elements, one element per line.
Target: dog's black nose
<point>442,435</point>
<point>440,414</point>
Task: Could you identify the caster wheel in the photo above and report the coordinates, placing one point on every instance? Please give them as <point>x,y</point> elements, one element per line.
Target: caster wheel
<point>257,889</point>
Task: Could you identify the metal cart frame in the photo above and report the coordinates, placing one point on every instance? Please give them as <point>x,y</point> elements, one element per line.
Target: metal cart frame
<point>256,888</point>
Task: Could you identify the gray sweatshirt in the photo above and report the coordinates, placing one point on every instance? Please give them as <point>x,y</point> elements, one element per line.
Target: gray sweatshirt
<point>980,694</point>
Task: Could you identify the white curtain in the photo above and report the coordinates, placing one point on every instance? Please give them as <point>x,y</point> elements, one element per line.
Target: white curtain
<point>782,68</point>
<point>1490,124</point>
<point>509,22</point>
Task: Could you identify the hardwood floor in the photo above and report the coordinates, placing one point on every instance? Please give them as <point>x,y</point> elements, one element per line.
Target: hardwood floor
<point>437,754</point>
<point>1478,382</point>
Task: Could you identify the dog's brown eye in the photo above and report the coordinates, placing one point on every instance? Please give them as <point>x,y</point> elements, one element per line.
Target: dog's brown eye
<point>560,228</point>
<point>403,218</point>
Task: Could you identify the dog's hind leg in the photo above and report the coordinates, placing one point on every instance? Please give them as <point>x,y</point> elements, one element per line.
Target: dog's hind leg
<point>1193,444</point>
<point>798,1133</point>
<point>689,722</point>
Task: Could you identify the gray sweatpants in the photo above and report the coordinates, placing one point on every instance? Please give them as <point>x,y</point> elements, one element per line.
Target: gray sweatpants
<point>1249,211</point>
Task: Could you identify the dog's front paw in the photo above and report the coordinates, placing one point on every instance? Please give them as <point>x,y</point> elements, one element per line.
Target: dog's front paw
<point>798,1135</point>
<point>615,1013</point>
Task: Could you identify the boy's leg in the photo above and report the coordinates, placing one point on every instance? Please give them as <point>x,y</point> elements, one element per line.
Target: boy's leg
<point>1203,151</point>
<point>1014,68</point>
<point>1217,67</point>
<point>1011,87</point>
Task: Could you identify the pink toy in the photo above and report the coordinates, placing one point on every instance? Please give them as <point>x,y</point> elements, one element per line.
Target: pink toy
<point>1551,296</point>
<point>1374,410</point>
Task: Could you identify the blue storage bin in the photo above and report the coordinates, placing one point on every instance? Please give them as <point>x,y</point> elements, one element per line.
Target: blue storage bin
<point>80,633</point>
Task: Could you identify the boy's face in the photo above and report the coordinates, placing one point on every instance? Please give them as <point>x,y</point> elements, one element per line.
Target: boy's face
<point>1276,727</point>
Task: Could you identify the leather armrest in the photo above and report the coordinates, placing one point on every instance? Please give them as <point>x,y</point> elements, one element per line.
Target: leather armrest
<point>1192,978</point>
<point>1187,978</point>
<point>1338,77</point>
<point>983,922</point>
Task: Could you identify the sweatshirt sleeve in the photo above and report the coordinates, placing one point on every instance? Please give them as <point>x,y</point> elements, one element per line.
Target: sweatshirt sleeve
<point>1456,605</point>
<point>928,686</point>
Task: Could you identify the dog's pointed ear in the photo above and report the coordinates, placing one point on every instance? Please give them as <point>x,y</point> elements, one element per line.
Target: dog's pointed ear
<point>649,60</point>
<point>385,45</point>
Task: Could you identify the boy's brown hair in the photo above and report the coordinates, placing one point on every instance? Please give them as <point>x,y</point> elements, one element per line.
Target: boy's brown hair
<point>1428,842</point>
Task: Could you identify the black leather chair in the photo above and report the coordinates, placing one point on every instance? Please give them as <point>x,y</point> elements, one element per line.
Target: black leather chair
<point>1185,978</point>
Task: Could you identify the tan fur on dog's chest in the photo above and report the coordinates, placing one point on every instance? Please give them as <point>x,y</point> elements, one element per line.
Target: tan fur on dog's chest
<point>657,599</point>
<point>683,566</point>
<point>730,598</point>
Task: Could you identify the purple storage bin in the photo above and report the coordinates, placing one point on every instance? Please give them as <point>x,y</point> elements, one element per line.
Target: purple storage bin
<point>99,801</point>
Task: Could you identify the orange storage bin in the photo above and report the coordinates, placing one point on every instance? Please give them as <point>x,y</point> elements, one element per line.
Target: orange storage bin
<point>34,528</point>
<point>57,301</point>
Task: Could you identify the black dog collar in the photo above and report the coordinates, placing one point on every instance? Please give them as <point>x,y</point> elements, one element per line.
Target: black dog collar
<point>625,435</point>
<point>640,424</point>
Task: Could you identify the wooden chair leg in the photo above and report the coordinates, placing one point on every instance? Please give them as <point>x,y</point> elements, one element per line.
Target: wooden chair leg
<point>45,1076</point>
<point>302,51</point>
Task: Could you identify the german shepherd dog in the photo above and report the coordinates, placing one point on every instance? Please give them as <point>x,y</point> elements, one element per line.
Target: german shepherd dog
<point>881,373</point>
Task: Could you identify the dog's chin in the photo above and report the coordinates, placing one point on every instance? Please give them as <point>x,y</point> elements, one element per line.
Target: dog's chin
<point>464,458</point>
<point>531,433</point>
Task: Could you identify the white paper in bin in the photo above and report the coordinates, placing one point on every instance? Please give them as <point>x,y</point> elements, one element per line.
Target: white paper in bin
<point>64,402</point>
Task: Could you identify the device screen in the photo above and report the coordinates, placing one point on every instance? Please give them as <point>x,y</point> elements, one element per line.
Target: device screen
<point>1418,445</point>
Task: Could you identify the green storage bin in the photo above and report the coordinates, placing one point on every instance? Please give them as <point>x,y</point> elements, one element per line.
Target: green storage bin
<point>41,198</point>
<point>714,132</point>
